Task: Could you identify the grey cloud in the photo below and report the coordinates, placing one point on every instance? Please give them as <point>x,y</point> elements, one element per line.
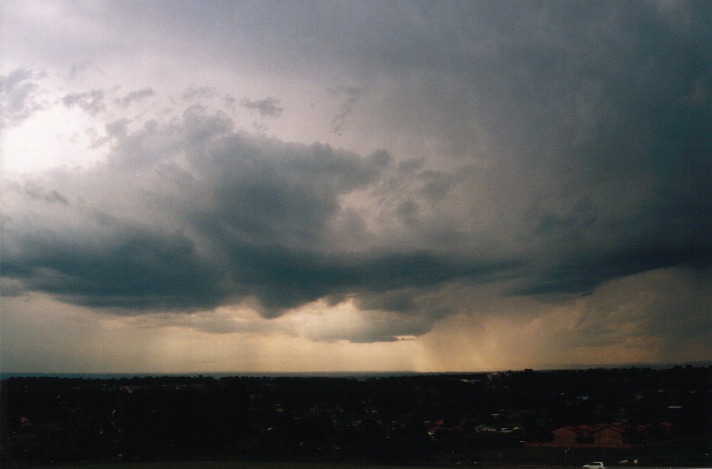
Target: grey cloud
<point>117,128</point>
<point>11,288</point>
<point>134,96</point>
<point>90,101</point>
<point>436,185</point>
<point>114,130</point>
<point>35,191</point>
<point>634,179</point>
<point>350,97</point>
<point>558,147</point>
<point>665,306</point>
<point>129,275</point>
<point>78,68</point>
<point>112,265</point>
<point>282,279</point>
<point>268,107</point>
<point>20,95</point>
<point>229,101</point>
<point>194,93</point>
<point>253,218</point>
<point>384,328</point>
<point>375,326</point>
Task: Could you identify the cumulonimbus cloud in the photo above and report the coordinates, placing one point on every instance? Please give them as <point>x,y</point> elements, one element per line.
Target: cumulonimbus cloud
<point>553,161</point>
<point>248,217</point>
<point>255,217</point>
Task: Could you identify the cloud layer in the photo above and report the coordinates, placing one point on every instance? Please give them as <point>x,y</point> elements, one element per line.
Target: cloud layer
<point>194,214</point>
<point>413,165</point>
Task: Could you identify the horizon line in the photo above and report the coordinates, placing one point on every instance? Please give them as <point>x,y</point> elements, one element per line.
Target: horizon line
<point>338,373</point>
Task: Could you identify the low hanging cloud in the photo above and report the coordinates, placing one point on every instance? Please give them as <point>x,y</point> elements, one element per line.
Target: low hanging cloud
<point>193,215</point>
<point>248,218</point>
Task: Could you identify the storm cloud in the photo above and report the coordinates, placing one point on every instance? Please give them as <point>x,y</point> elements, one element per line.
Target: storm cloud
<point>196,214</point>
<point>439,163</point>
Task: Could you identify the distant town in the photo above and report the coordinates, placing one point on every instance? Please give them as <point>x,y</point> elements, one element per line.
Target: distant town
<point>619,416</point>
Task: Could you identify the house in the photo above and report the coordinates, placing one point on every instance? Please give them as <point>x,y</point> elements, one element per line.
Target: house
<point>602,436</point>
<point>564,436</point>
<point>609,436</point>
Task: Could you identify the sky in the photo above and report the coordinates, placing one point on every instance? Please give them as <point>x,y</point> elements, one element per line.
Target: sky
<point>269,186</point>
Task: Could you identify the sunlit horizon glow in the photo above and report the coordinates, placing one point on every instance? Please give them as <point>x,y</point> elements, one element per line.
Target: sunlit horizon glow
<point>354,187</point>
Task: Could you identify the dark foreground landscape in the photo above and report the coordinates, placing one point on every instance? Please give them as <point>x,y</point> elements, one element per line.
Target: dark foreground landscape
<point>638,417</point>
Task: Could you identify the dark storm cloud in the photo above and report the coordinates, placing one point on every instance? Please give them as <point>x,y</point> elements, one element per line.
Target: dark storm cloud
<point>666,306</point>
<point>268,107</point>
<point>250,218</point>
<point>566,145</point>
<point>621,149</point>
<point>137,271</point>
<point>62,245</point>
<point>282,279</point>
